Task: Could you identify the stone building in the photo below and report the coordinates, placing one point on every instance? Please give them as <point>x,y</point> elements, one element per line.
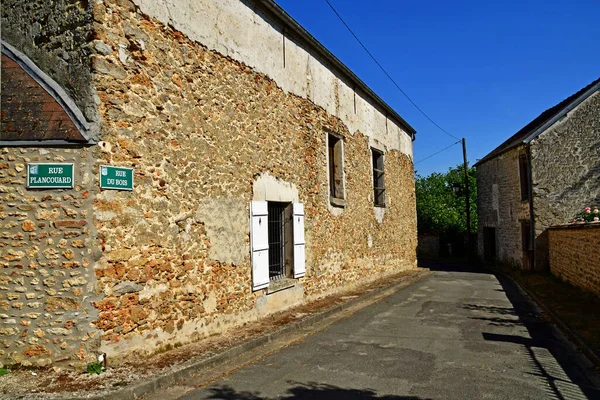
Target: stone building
<point>170,170</point>
<point>541,176</point>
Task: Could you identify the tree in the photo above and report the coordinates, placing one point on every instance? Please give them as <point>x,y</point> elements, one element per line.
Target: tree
<point>441,202</point>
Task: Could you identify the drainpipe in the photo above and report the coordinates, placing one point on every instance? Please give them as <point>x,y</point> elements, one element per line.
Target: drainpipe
<point>531,216</point>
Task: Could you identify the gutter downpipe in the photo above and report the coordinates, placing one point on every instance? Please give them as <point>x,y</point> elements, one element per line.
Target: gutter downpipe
<point>531,216</point>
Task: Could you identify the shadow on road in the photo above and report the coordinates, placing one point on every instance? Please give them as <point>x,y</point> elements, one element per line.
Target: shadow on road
<point>309,390</point>
<point>549,358</point>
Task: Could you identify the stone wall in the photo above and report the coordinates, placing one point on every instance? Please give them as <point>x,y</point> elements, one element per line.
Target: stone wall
<point>565,171</point>
<point>201,131</point>
<point>89,270</point>
<point>574,254</point>
<point>499,205</point>
<point>239,30</point>
<point>56,36</point>
<point>47,253</point>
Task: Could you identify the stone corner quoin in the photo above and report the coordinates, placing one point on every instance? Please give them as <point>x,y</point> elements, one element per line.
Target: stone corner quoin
<point>223,136</point>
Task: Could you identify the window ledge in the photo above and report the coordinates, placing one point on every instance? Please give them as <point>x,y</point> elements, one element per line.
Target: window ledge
<point>379,205</point>
<point>281,284</point>
<point>337,202</point>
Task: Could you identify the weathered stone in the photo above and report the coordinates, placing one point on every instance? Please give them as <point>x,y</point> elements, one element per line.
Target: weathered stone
<point>126,287</point>
<point>62,303</point>
<point>51,253</point>
<point>70,224</point>
<point>8,331</point>
<point>78,281</point>
<point>13,255</point>
<point>103,66</point>
<point>28,226</point>
<point>59,331</point>
<point>36,351</point>
<point>102,47</point>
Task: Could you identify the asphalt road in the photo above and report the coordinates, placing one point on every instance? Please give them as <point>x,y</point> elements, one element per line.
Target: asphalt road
<point>453,335</point>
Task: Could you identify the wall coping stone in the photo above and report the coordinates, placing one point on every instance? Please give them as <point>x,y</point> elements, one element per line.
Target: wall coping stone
<point>577,225</point>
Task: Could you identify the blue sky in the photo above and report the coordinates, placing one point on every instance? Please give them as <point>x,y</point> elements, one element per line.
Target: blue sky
<point>482,70</point>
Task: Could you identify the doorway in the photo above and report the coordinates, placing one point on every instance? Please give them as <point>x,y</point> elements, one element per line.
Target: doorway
<point>489,244</point>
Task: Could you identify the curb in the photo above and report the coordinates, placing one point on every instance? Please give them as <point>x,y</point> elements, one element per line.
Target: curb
<point>592,355</point>
<point>189,368</point>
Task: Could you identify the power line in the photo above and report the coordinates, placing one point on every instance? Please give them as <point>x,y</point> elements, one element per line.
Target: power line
<point>435,154</point>
<point>388,75</point>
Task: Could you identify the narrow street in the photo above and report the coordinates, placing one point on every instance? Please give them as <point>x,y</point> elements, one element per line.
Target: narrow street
<point>453,335</point>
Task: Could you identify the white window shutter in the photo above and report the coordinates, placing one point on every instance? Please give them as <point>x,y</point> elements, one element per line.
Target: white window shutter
<point>259,244</point>
<point>299,250</point>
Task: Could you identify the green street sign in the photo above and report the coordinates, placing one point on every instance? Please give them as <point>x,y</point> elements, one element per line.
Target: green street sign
<point>118,178</point>
<point>49,176</point>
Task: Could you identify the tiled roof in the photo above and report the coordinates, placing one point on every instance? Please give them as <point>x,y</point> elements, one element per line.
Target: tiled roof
<point>29,112</point>
<point>531,127</point>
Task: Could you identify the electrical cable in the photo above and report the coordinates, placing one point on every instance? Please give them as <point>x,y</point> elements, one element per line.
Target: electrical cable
<point>435,154</point>
<point>388,75</point>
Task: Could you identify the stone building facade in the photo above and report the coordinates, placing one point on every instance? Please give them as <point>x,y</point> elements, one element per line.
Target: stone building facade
<point>541,176</point>
<point>231,116</point>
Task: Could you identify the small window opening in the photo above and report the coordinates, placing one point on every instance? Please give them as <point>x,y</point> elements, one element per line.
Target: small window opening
<point>378,178</point>
<point>280,239</point>
<point>523,168</point>
<point>336,169</point>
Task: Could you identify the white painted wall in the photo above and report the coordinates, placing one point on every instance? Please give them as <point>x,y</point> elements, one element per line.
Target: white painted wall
<point>233,29</point>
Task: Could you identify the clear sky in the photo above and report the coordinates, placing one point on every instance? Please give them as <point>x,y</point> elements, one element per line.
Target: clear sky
<point>480,69</point>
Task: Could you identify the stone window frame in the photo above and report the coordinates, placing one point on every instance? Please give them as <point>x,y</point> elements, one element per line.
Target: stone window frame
<point>378,167</point>
<point>335,169</point>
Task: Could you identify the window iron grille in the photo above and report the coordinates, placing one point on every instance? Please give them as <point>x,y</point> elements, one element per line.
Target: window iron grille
<point>277,239</point>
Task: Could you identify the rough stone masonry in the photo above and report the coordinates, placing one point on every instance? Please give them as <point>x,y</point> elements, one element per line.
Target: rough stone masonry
<point>132,273</point>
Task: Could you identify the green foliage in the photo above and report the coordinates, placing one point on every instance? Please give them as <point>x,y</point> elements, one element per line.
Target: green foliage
<point>3,371</point>
<point>94,368</point>
<point>440,207</point>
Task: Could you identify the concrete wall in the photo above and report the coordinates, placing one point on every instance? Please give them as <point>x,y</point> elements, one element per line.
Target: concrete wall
<point>574,254</point>
<point>565,171</point>
<point>207,134</point>
<point>56,37</point>
<point>234,29</point>
<point>47,255</point>
<point>499,205</point>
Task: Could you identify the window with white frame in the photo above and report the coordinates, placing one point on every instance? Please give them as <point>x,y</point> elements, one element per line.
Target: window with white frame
<point>276,242</point>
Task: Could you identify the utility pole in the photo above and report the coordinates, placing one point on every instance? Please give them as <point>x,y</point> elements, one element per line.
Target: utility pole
<point>467,200</point>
